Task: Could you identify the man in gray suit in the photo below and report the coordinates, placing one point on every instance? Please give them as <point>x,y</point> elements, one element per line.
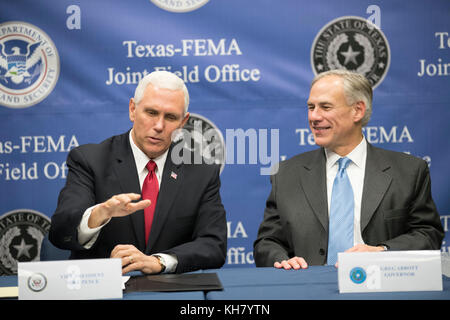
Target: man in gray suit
<point>392,207</point>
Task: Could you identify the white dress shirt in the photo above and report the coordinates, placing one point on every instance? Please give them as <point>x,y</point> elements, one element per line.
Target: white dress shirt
<point>355,172</point>
<point>87,236</point>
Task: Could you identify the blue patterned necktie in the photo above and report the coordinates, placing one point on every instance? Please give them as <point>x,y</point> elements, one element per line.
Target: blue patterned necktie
<point>340,235</point>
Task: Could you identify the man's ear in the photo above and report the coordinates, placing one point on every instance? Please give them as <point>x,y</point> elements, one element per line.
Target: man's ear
<point>131,109</point>
<point>360,111</point>
<point>186,117</point>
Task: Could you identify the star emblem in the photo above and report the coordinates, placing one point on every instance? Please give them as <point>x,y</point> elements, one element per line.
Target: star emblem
<point>350,55</point>
<point>23,249</point>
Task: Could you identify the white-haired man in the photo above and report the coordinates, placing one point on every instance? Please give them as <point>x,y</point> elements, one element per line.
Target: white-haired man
<point>347,195</point>
<point>125,198</point>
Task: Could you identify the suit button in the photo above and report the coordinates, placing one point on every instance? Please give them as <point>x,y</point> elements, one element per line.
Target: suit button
<point>321,251</point>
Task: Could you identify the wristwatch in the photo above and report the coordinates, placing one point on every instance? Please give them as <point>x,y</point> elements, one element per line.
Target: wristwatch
<point>161,261</point>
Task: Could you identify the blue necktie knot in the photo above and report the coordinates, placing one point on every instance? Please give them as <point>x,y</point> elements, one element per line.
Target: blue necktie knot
<point>343,164</point>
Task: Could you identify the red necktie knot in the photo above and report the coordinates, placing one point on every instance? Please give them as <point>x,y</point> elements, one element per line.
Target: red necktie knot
<point>151,166</point>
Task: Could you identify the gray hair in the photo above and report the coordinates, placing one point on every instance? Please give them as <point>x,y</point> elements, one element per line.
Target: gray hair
<point>356,88</point>
<point>163,80</point>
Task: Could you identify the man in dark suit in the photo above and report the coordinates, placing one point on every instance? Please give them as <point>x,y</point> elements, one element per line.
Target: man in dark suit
<point>100,212</point>
<point>390,203</point>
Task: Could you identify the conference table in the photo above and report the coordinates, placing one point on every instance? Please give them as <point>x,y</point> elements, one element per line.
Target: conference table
<point>314,283</point>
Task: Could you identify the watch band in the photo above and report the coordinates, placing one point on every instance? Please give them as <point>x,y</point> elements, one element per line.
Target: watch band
<point>161,261</point>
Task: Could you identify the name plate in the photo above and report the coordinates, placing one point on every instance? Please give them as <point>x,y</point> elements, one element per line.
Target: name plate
<point>390,271</point>
<point>70,279</point>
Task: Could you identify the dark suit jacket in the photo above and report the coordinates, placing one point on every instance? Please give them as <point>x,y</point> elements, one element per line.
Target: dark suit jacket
<point>189,216</point>
<point>397,209</point>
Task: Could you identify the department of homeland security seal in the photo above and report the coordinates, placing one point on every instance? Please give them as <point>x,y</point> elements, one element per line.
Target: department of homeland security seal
<point>21,235</point>
<point>201,136</point>
<point>29,64</point>
<point>352,43</point>
<point>179,5</point>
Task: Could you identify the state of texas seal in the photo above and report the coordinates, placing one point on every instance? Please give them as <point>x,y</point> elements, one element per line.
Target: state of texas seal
<point>29,64</point>
<point>21,235</point>
<point>203,139</point>
<point>352,43</point>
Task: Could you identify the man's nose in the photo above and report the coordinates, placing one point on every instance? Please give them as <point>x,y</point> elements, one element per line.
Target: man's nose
<point>159,124</point>
<point>314,114</point>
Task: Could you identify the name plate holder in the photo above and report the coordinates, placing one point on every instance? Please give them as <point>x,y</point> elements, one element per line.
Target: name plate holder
<point>70,279</point>
<point>390,271</point>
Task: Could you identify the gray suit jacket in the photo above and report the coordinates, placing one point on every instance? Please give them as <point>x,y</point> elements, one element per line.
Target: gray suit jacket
<point>397,209</point>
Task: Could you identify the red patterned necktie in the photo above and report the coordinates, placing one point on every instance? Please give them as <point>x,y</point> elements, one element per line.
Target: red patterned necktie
<point>150,191</point>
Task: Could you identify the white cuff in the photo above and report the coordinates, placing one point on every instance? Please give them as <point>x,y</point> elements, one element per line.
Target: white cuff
<point>170,260</point>
<point>87,236</point>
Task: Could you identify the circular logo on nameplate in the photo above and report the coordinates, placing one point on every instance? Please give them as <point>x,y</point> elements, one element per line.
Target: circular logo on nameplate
<point>180,5</point>
<point>21,235</point>
<point>37,282</point>
<point>358,275</point>
<point>352,43</point>
<point>29,64</point>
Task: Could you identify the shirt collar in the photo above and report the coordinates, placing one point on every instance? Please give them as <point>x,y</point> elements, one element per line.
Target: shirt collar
<point>142,159</point>
<point>357,155</point>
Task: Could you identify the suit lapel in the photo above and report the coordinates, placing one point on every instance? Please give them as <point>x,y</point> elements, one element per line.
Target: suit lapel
<point>171,180</point>
<point>376,183</point>
<point>313,182</point>
<point>126,171</point>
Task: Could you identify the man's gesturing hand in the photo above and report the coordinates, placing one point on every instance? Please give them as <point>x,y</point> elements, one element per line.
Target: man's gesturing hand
<point>117,206</point>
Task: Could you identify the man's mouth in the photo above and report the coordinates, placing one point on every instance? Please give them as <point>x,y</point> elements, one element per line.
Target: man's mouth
<point>154,139</point>
<point>320,128</point>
